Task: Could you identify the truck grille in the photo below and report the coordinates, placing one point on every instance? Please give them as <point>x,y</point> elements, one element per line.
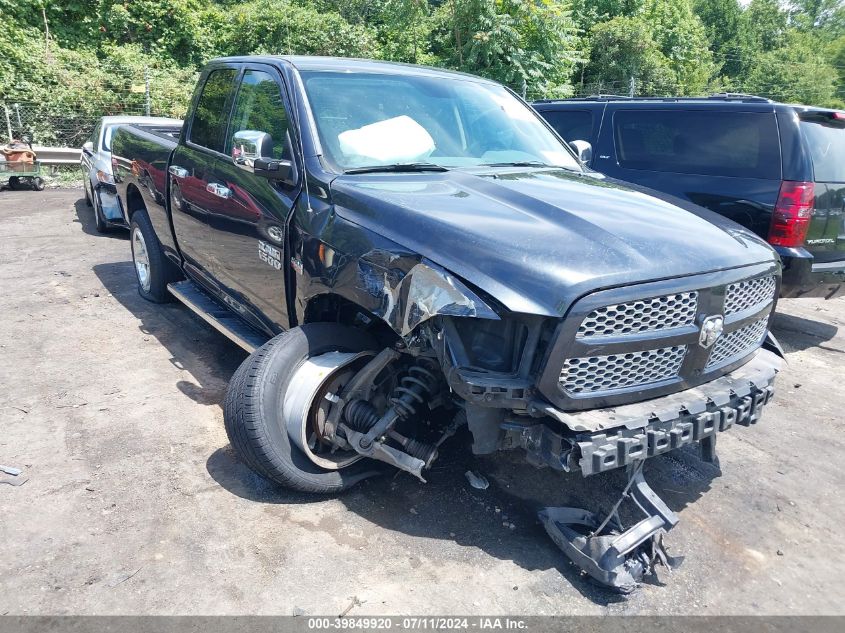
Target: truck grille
<point>751,292</point>
<point>629,343</point>
<point>645,315</point>
<point>739,342</point>
<point>616,371</point>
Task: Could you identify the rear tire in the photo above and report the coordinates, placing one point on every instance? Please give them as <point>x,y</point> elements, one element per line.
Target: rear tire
<point>152,268</point>
<point>15,183</point>
<point>254,409</point>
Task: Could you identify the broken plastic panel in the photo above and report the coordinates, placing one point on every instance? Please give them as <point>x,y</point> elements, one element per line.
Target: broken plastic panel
<point>425,291</point>
<point>616,558</point>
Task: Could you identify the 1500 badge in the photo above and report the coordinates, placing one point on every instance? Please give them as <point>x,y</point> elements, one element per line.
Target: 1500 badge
<point>270,254</point>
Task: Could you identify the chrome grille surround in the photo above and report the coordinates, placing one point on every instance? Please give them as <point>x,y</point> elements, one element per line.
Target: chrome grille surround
<point>618,371</point>
<point>738,343</point>
<point>745,294</point>
<point>643,315</point>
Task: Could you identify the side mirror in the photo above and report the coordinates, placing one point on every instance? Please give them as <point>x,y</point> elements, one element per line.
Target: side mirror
<point>583,150</point>
<point>88,148</point>
<point>252,151</point>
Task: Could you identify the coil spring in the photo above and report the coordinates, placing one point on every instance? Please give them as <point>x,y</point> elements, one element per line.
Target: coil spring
<point>420,381</point>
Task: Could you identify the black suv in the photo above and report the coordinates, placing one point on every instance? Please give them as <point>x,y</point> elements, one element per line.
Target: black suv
<point>777,169</point>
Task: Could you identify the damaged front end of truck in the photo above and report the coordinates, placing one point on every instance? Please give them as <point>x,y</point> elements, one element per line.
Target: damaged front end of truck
<point>623,375</point>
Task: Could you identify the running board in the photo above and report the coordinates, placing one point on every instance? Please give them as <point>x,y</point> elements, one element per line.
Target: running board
<point>220,318</point>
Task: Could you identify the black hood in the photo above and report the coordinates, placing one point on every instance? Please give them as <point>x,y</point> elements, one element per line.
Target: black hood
<point>537,240</point>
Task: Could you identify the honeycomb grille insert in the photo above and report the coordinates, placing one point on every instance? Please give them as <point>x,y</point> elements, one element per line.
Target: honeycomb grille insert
<point>738,343</point>
<point>617,371</point>
<point>742,295</point>
<point>643,315</point>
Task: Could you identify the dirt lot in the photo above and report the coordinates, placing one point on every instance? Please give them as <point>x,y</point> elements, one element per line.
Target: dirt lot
<point>135,504</point>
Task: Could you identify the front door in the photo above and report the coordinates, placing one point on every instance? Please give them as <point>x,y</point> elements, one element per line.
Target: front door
<point>248,231</point>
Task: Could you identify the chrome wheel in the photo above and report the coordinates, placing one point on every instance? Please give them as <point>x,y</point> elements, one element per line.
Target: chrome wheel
<point>312,388</point>
<point>141,258</point>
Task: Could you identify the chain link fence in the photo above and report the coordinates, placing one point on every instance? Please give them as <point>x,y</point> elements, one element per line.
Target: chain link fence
<point>69,114</point>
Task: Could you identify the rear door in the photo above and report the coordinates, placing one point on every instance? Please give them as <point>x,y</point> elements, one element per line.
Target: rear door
<point>248,231</point>
<point>194,188</point>
<point>824,138</point>
<point>724,159</point>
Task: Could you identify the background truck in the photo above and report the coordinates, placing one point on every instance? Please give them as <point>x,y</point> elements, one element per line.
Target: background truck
<point>407,251</point>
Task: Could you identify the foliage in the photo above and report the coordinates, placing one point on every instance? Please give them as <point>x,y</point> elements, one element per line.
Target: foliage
<point>623,52</point>
<point>528,45</point>
<point>78,59</point>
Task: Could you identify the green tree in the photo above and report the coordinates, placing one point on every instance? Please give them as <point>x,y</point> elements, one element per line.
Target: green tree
<point>528,45</point>
<point>683,40</point>
<point>797,72</point>
<point>731,40</point>
<point>281,27</point>
<point>768,24</point>
<point>621,50</point>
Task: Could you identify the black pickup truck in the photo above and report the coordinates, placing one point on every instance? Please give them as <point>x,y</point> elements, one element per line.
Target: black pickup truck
<point>405,251</point>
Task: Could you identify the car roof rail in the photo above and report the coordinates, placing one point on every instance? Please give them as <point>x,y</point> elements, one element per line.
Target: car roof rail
<point>719,96</point>
<point>739,96</point>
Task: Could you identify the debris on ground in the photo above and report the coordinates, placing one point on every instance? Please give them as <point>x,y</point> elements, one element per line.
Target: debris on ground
<point>11,470</point>
<point>476,480</point>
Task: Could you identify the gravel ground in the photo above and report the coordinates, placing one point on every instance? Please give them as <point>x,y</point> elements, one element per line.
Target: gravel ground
<point>135,504</point>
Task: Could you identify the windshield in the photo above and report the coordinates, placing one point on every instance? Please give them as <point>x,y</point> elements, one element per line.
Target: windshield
<point>366,119</point>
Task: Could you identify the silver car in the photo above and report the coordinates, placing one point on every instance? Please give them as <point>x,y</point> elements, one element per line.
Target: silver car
<point>97,169</point>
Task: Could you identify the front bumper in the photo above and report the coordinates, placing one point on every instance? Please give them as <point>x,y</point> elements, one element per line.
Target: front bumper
<point>603,439</point>
<point>110,205</point>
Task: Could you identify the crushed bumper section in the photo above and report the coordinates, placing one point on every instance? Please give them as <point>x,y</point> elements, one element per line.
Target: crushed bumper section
<point>600,440</point>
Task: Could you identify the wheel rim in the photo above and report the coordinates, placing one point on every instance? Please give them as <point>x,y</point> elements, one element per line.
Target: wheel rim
<point>141,258</point>
<point>306,405</point>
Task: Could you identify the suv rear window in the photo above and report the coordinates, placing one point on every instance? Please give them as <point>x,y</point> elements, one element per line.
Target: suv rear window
<point>707,143</point>
<point>572,125</point>
<point>826,142</point>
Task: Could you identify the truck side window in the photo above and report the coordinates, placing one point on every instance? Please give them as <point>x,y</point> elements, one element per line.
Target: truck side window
<point>259,106</point>
<point>209,123</point>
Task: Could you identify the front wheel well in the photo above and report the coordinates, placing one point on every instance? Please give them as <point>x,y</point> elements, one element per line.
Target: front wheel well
<point>333,308</point>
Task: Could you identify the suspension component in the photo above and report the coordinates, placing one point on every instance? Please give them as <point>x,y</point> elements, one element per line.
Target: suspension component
<point>415,448</point>
<point>414,388</point>
<point>360,415</point>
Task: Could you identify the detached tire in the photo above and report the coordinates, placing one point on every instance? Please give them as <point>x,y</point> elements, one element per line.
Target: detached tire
<point>152,268</point>
<point>254,409</point>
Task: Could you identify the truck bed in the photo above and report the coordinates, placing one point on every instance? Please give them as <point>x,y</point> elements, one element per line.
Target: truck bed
<point>140,158</point>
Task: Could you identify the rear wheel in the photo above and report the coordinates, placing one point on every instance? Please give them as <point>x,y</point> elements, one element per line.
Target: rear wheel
<point>152,268</point>
<point>15,182</point>
<point>276,404</point>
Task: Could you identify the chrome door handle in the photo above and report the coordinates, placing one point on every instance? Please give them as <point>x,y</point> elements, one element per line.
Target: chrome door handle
<point>218,190</point>
<point>179,172</point>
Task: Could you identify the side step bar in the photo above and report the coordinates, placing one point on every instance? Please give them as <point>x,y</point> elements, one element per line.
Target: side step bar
<point>220,318</point>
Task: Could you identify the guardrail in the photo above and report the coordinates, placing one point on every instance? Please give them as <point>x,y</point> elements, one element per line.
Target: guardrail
<point>57,155</point>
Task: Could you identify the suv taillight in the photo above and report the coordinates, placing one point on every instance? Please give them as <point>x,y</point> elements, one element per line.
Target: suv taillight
<point>792,214</point>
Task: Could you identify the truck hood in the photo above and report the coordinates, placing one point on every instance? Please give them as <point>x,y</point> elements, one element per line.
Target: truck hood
<point>537,240</point>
